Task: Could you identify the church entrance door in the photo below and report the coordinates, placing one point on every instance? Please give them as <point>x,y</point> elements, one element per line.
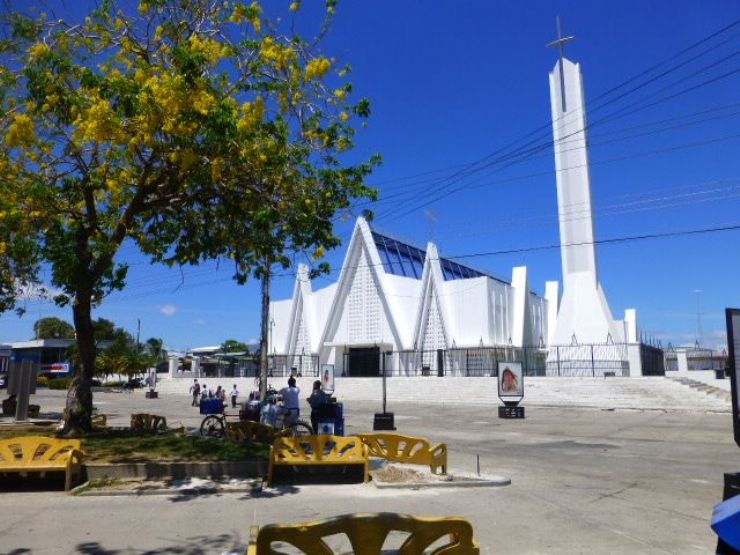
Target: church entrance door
<point>363,361</point>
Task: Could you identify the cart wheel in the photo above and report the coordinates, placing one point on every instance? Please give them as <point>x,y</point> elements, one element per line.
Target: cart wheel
<point>212,426</point>
<point>301,428</point>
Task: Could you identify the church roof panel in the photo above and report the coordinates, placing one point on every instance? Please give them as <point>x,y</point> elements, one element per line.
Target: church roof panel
<point>402,259</point>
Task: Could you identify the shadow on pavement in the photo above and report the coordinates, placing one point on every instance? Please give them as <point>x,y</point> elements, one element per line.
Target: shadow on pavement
<point>255,491</point>
<point>197,545</point>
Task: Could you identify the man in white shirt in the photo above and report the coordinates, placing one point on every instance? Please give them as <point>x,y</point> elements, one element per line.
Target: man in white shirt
<point>291,401</point>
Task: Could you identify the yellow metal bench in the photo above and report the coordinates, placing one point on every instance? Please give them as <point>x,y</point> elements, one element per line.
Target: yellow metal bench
<point>148,422</point>
<point>253,432</point>
<point>349,453</point>
<point>367,532</point>
<point>21,455</point>
<point>407,449</point>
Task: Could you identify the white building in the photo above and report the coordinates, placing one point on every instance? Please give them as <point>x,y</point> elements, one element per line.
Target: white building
<point>410,311</point>
<point>432,313</point>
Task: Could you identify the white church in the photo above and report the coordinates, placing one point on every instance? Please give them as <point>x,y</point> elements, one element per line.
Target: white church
<point>408,311</point>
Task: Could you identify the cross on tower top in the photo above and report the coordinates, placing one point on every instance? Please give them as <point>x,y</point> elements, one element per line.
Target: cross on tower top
<point>559,42</point>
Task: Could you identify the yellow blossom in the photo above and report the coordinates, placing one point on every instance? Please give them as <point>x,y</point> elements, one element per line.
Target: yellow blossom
<point>277,54</point>
<point>317,68</point>
<point>344,116</point>
<point>37,50</point>
<point>252,115</point>
<point>210,48</point>
<point>294,6</point>
<point>340,93</point>
<point>20,132</point>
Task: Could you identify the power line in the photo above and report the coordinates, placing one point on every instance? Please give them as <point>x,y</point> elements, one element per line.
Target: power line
<point>519,155</point>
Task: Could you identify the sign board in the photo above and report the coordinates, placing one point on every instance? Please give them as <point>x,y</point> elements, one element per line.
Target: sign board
<point>327,378</point>
<point>510,381</point>
<point>56,368</point>
<point>733,351</point>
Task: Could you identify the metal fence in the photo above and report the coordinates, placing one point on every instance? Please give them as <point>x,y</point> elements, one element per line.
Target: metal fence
<point>588,360</point>
<point>293,365</point>
<point>476,361</point>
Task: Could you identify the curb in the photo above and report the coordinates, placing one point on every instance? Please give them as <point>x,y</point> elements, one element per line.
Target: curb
<point>178,470</point>
<point>493,482</point>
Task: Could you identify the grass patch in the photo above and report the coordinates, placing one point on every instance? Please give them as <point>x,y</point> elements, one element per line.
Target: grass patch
<point>9,431</point>
<point>125,446</point>
<point>98,483</point>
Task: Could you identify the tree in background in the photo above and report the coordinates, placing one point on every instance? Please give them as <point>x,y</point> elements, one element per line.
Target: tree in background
<point>155,349</point>
<point>171,127</point>
<point>53,328</point>
<point>234,346</point>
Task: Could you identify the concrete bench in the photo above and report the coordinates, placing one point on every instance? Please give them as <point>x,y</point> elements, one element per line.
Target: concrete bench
<point>323,457</point>
<point>148,422</point>
<point>253,432</point>
<point>22,455</point>
<point>407,449</point>
<point>367,532</point>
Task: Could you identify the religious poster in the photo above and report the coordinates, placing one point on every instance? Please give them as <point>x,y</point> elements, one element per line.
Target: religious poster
<point>733,344</point>
<point>510,382</point>
<point>327,378</point>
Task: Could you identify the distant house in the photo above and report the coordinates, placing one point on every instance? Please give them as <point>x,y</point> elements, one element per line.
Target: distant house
<point>49,354</point>
<point>213,362</point>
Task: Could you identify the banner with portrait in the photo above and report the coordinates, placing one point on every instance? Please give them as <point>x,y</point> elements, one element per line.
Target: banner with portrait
<point>327,378</point>
<point>510,381</point>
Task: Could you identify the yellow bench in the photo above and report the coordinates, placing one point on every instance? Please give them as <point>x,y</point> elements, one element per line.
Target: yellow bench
<point>253,432</point>
<point>148,422</point>
<point>407,449</point>
<point>42,454</point>
<point>317,451</point>
<point>367,532</point>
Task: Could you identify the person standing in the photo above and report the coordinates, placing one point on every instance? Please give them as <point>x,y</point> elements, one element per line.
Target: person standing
<point>195,392</point>
<point>234,395</point>
<point>317,399</point>
<point>204,393</point>
<point>291,401</point>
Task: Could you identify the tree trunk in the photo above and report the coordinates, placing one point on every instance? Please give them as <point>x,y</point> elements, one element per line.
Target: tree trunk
<point>265,328</point>
<point>79,396</point>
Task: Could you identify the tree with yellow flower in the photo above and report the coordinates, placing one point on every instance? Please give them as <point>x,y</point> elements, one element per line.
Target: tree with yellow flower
<point>196,130</point>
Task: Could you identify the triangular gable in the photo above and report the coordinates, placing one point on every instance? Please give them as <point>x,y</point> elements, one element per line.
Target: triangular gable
<point>430,304</point>
<point>361,248</point>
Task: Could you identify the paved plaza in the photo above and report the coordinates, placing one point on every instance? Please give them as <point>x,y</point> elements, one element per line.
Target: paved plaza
<point>583,481</point>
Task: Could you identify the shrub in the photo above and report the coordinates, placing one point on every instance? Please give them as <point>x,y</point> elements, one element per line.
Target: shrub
<point>60,383</point>
<point>42,381</point>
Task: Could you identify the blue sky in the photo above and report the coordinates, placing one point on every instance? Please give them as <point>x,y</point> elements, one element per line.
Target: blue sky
<point>452,82</point>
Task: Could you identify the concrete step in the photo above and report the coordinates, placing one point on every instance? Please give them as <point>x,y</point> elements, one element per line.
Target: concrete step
<point>650,392</point>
